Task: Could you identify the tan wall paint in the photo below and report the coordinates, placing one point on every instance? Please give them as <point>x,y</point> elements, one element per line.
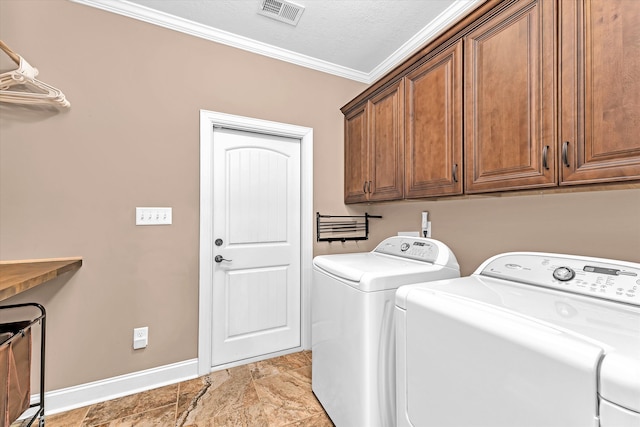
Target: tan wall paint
<point>69,182</point>
<point>593,223</point>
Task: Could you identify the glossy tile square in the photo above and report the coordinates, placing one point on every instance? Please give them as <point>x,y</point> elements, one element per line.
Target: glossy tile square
<point>159,417</point>
<point>278,365</point>
<point>288,397</point>
<point>220,392</point>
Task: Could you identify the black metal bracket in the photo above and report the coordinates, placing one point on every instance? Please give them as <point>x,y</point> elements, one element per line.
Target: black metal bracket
<point>343,224</point>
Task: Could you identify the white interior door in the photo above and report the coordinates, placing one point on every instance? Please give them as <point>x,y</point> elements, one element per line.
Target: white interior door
<point>256,233</point>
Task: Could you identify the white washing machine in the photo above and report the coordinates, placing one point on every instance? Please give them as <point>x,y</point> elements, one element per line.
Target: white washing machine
<point>352,309</point>
<point>530,339</point>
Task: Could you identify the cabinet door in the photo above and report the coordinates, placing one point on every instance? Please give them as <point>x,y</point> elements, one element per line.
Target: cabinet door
<point>355,155</point>
<point>600,90</point>
<point>433,147</point>
<point>386,143</point>
<point>509,99</point>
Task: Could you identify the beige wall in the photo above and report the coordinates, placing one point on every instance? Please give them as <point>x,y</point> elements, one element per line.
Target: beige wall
<point>69,182</point>
<point>593,223</point>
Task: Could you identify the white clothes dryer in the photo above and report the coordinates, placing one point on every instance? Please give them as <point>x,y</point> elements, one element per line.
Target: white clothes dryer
<point>352,309</point>
<point>528,340</point>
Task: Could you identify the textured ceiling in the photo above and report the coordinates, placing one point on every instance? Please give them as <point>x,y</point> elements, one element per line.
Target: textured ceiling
<point>360,39</point>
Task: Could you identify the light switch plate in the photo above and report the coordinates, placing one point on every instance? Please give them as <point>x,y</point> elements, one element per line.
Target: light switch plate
<point>153,216</point>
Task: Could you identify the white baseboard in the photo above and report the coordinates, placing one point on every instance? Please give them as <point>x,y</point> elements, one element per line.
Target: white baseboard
<point>111,388</point>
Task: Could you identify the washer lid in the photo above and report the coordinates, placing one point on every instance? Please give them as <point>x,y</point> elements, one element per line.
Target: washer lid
<point>353,267</point>
<point>611,325</point>
<point>600,280</point>
<point>372,271</point>
<point>395,256</point>
<point>500,365</point>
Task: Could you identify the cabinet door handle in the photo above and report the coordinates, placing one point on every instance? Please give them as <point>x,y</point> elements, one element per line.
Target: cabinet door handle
<point>364,187</point>
<point>454,174</point>
<point>369,187</point>
<point>565,157</point>
<point>545,164</point>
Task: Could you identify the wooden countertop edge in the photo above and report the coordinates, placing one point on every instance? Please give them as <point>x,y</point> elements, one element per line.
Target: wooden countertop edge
<point>30,279</point>
<point>29,261</point>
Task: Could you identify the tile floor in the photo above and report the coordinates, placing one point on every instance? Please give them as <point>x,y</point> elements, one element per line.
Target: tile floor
<point>273,392</point>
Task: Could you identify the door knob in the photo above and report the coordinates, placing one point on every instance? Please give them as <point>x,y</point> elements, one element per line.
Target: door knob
<point>219,258</point>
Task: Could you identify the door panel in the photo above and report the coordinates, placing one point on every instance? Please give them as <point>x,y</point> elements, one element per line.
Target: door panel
<point>386,139</point>
<point>600,88</point>
<point>256,179</point>
<point>246,291</point>
<point>355,155</point>
<point>433,96</point>
<point>509,100</point>
<point>256,205</point>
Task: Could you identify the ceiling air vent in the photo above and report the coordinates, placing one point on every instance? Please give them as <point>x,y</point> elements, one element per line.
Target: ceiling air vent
<point>284,11</point>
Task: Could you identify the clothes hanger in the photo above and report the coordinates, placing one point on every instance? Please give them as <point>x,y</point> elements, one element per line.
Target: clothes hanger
<point>29,89</point>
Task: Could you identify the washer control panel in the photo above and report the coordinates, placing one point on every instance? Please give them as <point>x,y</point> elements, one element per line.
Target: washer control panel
<point>596,277</point>
<point>416,248</point>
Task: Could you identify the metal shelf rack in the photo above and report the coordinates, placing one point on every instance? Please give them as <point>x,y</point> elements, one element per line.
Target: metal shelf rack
<point>340,228</point>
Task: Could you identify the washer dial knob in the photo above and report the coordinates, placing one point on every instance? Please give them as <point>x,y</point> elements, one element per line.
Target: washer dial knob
<point>564,274</point>
<point>404,246</point>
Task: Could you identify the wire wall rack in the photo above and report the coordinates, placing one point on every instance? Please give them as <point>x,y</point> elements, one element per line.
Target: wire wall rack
<point>341,228</point>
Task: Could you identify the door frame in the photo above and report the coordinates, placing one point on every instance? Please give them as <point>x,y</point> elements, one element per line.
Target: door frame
<point>209,120</point>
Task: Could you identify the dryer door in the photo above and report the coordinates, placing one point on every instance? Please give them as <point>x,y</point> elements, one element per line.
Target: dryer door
<point>473,364</point>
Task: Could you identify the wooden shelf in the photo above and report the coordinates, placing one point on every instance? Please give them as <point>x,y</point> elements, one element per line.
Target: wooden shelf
<point>21,275</point>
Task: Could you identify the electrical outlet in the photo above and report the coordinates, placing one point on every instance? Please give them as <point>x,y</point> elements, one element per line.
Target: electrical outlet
<point>153,216</point>
<point>140,337</point>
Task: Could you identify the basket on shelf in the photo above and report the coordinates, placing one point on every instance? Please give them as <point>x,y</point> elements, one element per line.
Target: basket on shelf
<point>15,370</point>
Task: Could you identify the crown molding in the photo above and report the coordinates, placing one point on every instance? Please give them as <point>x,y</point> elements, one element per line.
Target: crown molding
<point>162,19</point>
<point>151,16</point>
<point>439,25</point>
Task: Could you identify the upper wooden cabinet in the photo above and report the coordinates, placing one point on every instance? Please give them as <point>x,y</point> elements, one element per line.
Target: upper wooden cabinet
<point>374,147</point>
<point>520,94</point>
<point>600,91</point>
<point>433,126</point>
<point>509,99</point>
